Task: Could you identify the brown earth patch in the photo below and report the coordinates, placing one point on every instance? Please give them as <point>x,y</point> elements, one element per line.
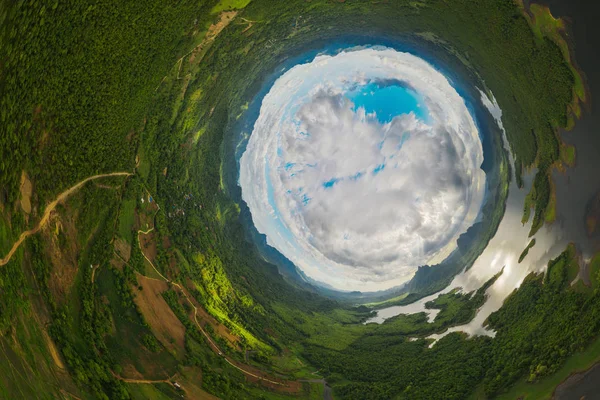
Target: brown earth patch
<point>41,316</point>
<point>213,31</point>
<point>190,380</point>
<point>53,350</point>
<point>145,216</point>
<point>164,323</point>
<point>271,333</point>
<point>173,272</point>
<point>166,242</point>
<point>43,126</point>
<point>103,186</point>
<point>130,372</point>
<point>123,249</point>
<point>117,262</point>
<point>63,259</point>
<point>148,245</point>
<point>26,192</point>
<point>130,135</point>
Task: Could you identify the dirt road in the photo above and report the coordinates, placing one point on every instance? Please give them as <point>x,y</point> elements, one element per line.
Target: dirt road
<point>48,211</point>
<point>244,369</point>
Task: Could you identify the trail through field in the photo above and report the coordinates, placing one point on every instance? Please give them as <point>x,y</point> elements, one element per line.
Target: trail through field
<point>94,268</point>
<point>213,31</point>
<point>168,381</point>
<point>146,381</point>
<point>291,386</point>
<point>48,211</point>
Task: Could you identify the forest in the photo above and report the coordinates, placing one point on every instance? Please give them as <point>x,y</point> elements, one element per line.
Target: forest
<point>103,87</point>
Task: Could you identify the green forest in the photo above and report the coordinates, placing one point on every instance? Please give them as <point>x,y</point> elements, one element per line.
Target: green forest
<point>149,286</point>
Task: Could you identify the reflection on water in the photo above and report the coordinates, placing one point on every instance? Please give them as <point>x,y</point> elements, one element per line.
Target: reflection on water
<point>413,308</point>
<point>573,191</point>
<point>502,252</point>
<point>574,188</point>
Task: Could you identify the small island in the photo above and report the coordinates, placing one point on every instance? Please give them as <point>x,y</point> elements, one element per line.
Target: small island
<point>526,251</point>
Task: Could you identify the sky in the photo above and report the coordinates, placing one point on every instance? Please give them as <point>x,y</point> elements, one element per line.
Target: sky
<point>362,166</point>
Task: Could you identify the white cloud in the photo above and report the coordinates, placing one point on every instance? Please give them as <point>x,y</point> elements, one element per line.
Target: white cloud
<point>355,203</point>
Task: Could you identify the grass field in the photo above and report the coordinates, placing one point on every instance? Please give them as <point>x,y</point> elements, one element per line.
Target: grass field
<point>225,5</point>
<point>235,285</point>
<point>127,219</point>
<point>126,343</point>
<point>157,391</point>
<point>388,302</point>
<point>316,391</point>
<point>5,238</point>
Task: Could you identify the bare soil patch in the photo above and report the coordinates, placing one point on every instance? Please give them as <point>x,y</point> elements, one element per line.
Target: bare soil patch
<point>148,245</point>
<point>117,262</point>
<point>123,249</point>
<point>191,382</point>
<point>63,259</point>
<point>145,217</point>
<point>50,208</point>
<point>53,350</point>
<point>130,372</point>
<point>164,323</point>
<point>213,31</point>
<point>26,192</point>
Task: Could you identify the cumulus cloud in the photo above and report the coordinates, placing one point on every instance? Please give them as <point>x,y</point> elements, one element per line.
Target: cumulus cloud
<point>354,202</point>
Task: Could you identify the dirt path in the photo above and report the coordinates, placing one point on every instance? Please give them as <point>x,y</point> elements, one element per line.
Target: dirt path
<point>168,381</point>
<point>146,381</point>
<point>216,349</point>
<point>46,217</point>
<point>211,34</point>
<point>26,192</point>
<point>94,268</point>
<point>212,344</point>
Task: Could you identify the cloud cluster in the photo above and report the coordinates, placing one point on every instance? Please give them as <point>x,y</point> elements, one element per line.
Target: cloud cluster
<point>354,202</point>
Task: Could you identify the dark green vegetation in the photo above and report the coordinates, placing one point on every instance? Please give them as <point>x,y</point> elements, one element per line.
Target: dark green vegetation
<point>526,251</point>
<point>537,328</point>
<point>91,88</point>
<point>458,308</point>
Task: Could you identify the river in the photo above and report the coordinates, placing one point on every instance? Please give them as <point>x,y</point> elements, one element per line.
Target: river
<point>574,189</point>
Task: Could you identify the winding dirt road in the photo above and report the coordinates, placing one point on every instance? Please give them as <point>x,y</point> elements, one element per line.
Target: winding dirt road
<point>212,344</point>
<point>146,381</point>
<point>46,217</point>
